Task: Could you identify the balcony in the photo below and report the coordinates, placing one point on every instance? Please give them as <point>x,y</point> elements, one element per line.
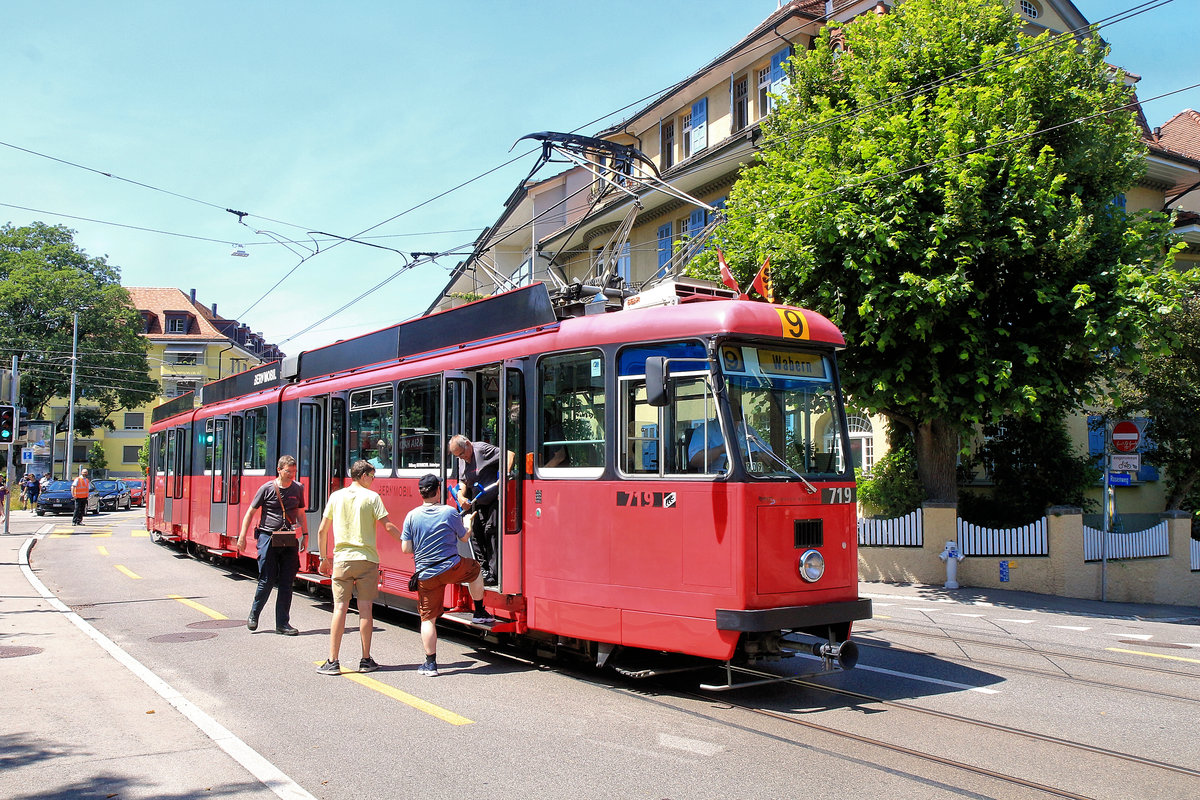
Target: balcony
<point>184,371</point>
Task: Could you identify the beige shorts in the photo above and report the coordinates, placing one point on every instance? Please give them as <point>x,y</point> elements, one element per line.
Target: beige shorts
<point>360,577</point>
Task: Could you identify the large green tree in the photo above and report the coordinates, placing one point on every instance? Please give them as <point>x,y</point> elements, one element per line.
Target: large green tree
<point>44,279</point>
<point>946,189</point>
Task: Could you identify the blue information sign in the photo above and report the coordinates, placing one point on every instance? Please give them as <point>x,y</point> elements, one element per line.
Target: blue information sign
<point>1119,479</point>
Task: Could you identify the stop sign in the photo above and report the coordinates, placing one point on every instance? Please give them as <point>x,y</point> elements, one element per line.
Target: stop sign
<point>1125,436</point>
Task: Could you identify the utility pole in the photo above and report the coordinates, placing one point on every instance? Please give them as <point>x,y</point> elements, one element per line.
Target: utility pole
<point>71,405</point>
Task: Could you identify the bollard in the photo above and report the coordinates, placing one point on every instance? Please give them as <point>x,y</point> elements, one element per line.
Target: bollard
<point>951,556</point>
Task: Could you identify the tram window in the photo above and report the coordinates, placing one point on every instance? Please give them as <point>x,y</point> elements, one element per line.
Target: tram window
<point>218,461</point>
<point>235,466</point>
<point>692,419</point>
<point>160,449</point>
<point>208,447</point>
<point>337,440</point>
<point>571,388</point>
<point>641,431</point>
<point>417,437</point>
<point>370,434</point>
<point>254,451</point>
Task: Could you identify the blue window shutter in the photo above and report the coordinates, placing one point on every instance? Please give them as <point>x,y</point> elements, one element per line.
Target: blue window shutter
<point>1097,433</point>
<point>778,75</point>
<point>664,246</point>
<point>720,202</point>
<point>699,125</point>
<point>696,221</point>
<point>1147,472</point>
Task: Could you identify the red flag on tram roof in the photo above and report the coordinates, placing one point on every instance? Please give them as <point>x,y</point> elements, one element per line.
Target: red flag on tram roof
<point>726,275</point>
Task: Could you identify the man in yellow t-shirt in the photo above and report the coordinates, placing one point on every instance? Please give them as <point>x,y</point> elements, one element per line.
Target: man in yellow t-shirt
<point>353,514</point>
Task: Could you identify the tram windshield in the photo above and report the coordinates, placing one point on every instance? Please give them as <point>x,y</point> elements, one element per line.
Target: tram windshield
<point>783,419</point>
<point>785,412</point>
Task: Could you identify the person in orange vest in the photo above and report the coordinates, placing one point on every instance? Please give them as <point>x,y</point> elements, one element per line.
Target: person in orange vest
<point>80,488</point>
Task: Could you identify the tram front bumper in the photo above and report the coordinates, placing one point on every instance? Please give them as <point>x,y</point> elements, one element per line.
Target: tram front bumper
<point>792,617</point>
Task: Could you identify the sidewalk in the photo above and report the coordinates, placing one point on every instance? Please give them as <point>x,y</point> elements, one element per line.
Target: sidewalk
<point>77,723</point>
<point>1029,601</point>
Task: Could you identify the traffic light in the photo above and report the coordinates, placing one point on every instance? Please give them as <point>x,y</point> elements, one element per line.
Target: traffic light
<point>8,424</point>
<point>22,424</point>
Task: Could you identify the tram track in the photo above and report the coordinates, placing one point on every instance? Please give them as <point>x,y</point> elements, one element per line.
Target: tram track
<point>864,639</point>
<point>925,755</point>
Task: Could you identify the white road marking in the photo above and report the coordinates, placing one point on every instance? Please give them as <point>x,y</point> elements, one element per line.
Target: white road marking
<point>912,677</point>
<point>266,772</point>
<point>1142,636</point>
<point>958,614</point>
<point>696,746</point>
<point>1071,627</point>
<point>1018,621</point>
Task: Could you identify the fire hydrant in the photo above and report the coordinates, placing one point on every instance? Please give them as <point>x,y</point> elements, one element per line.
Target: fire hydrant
<point>951,556</point>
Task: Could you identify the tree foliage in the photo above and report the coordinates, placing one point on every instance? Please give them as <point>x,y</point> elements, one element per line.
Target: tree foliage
<point>44,278</point>
<point>1166,388</point>
<point>942,190</point>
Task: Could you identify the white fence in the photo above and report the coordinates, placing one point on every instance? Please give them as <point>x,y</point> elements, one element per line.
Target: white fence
<point>900,532</point>
<point>1142,544</point>
<point>1195,556</point>
<point>1027,540</point>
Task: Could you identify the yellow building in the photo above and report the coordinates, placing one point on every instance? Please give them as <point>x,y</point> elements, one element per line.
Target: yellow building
<point>190,345</point>
<point>699,134</point>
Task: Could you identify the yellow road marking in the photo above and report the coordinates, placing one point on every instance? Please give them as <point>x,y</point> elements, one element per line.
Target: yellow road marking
<point>103,550</point>
<point>202,609</point>
<point>137,534</point>
<point>58,535</point>
<point>128,572</point>
<point>406,698</point>
<point>1154,655</point>
<point>101,534</point>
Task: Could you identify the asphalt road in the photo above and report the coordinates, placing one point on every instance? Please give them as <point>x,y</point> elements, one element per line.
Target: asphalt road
<point>949,699</point>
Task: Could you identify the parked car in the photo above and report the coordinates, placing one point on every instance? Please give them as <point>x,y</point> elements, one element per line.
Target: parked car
<point>114,495</point>
<point>56,499</point>
<point>137,491</point>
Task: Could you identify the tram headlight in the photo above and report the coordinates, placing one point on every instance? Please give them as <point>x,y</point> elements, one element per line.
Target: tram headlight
<point>812,566</point>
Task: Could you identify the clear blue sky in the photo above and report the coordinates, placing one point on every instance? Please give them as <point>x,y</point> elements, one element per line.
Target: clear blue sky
<point>338,116</point>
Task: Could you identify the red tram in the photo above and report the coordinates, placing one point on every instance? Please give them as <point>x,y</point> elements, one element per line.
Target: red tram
<point>682,478</point>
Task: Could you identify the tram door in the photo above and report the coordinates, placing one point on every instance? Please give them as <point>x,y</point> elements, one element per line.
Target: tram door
<point>493,413</point>
<point>216,456</point>
<point>321,456</point>
<point>512,432</point>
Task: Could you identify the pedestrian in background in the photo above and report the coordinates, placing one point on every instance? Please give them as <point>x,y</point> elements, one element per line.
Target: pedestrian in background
<point>354,515</point>
<point>282,512</point>
<point>431,533</point>
<point>81,487</point>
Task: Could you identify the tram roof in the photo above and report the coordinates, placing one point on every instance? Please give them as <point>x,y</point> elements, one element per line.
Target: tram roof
<point>514,314</point>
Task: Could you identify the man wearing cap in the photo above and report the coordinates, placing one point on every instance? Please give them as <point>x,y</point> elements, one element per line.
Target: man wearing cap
<point>354,515</point>
<point>431,533</point>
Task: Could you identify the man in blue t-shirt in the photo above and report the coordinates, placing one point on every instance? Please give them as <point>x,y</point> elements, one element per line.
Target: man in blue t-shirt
<point>431,533</point>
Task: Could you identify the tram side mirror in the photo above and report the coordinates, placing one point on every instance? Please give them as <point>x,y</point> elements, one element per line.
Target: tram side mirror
<point>657,393</point>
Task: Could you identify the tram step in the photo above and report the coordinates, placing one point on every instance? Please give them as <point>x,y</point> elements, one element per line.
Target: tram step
<point>216,551</point>
<point>465,617</point>
<point>315,577</point>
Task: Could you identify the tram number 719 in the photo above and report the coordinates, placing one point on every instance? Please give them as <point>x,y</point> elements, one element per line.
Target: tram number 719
<point>838,494</point>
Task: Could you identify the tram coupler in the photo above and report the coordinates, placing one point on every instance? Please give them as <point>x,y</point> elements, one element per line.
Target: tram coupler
<point>843,654</point>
